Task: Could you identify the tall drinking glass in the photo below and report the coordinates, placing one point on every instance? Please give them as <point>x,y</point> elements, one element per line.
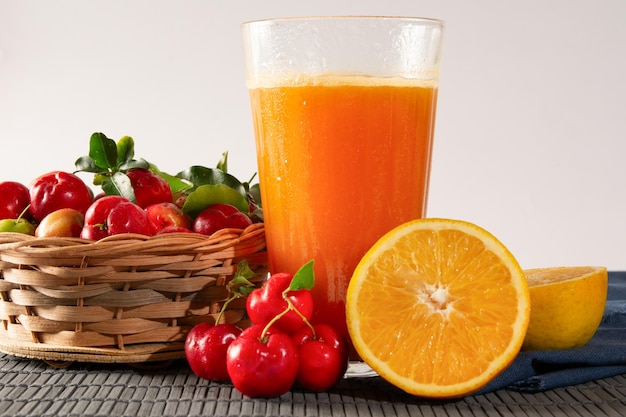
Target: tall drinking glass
<point>343,111</point>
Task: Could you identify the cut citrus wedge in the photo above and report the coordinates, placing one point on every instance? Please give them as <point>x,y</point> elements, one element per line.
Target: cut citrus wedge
<point>567,305</point>
<point>438,307</point>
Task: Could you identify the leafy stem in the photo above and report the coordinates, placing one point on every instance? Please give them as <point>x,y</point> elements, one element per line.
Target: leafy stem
<point>109,161</point>
<point>240,286</point>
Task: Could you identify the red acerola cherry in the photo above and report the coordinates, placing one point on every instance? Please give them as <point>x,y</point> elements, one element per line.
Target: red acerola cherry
<point>205,349</point>
<point>149,188</point>
<point>265,303</point>
<point>14,198</point>
<point>220,216</point>
<point>96,227</point>
<point>262,366</point>
<point>56,190</point>
<point>323,357</point>
<point>128,217</point>
<point>164,215</point>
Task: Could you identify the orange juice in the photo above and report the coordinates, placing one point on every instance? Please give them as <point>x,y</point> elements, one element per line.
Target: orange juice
<point>342,160</point>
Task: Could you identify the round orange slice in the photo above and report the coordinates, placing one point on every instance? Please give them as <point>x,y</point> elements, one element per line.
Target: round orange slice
<point>438,307</point>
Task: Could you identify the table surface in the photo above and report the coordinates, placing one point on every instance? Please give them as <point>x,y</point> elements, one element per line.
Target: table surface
<point>34,388</point>
<point>31,387</point>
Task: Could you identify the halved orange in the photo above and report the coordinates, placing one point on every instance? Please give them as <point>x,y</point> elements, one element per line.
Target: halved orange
<point>567,305</point>
<point>438,307</point>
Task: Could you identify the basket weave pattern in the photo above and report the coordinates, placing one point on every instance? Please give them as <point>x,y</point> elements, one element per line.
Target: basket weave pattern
<point>123,290</point>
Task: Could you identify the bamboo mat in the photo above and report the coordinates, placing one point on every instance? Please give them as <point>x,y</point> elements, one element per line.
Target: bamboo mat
<point>33,388</point>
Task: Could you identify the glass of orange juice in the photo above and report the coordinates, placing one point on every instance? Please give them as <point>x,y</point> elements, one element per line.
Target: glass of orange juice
<point>343,111</point>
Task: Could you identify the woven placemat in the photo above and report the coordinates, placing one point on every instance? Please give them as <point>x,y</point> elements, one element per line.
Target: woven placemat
<point>33,388</point>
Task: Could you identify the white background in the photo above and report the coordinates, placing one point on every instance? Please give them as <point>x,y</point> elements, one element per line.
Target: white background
<point>530,135</point>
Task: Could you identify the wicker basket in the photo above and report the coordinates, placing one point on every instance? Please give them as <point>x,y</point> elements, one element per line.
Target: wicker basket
<point>126,298</point>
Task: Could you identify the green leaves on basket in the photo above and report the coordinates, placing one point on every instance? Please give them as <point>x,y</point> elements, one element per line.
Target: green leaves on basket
<point>110,161</point>
<point>200,186</point>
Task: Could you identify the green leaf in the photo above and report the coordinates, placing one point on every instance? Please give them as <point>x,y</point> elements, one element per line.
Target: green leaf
<point>255,192</point>
<point>134,163</point>
<point>258,213</point>
<point>245,290</point>
<point>240,279</point>
<point>244,270</point>
<point>86,164</point>
<point>304,279</point>
<point>240,285</point>
<point>246,184</point>
<point>206,195</point>
<point>125,150</point>
<point>119,184</point>
<point>100,178</point>
<point>199,175</point>
<point>176,184</point>
<point>222,164</point>
<point>103,151</point>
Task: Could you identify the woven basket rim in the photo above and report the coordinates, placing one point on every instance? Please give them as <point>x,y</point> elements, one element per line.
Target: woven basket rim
<point>191,240</point>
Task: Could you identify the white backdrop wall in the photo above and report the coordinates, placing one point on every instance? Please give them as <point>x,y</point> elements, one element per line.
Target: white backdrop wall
<point>530,134</point>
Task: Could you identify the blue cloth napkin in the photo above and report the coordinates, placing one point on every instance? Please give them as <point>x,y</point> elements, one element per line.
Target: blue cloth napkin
<point>604,356</point>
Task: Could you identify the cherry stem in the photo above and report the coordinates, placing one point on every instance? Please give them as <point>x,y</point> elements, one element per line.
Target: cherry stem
<point>23,213</point>
<point>277,317</point>
<point>226,303</point>
<point>272,321</point>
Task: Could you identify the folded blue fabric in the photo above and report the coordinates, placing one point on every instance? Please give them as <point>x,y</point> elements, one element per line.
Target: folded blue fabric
<point>604,356</point>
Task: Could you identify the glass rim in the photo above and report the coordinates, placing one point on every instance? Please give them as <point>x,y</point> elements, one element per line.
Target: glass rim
<point>415,19</point>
